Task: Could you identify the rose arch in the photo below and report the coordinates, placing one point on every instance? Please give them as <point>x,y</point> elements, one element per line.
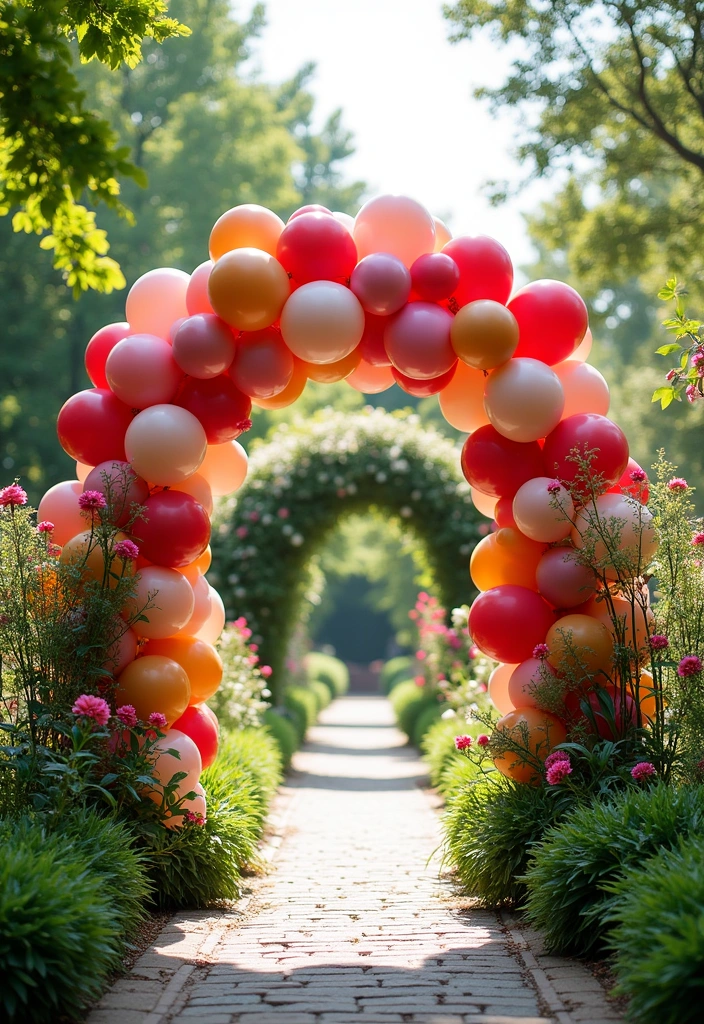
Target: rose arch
<point>304,480</point>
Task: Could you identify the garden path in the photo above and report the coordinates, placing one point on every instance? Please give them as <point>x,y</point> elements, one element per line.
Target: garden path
<point>354,921</point>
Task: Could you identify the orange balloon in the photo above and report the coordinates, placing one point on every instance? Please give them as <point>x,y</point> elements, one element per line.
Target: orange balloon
<point>198,568</point>
<point>505,557</point>
<point>498,688</point>
<point>248,289</point>
<point>545,731</point>
<point>484,334</point>
<point>646,693</point>
<point>293,390</point>
<point>330,373</point>
<point>84,549</point>
<point>199,660</point>
<point>462,401</point>
<point>247,226</point>
<point>625,614</point>
<point>580,645</point>
<point>371,380</point>
<point>154,683</point>
<point>224,467</point>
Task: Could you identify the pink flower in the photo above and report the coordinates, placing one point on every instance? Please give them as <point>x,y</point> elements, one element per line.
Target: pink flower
<point>692,392</point>
<point>554,487</point>
<point>127,715</point>
<point>254,648</point>
<point>421,655</point>
<point>239,623</point>
<point>638,476</point>
<point>254,516</point>
<point>677,483</point>
<point>423,596</point>
<point>157,720</point>
<point>92,707</point>
<point>53,549</point>
<point>45,526</point>
<point>698,538</point>
<point>413,614</point>
<point>473,652</point>
<point>557,772</point>
<point>698,359</point>
<point>419,680</point>
<point>643,770</point>
<point>241,532</point>
<point>541,651</point>
<point>13,494</point>
<point>690,665</point>
<point>671,374</point>
<point>91,501</point>
<point>283,513</point>
<point>557,755</point>
<point>127,549</point>
<point>659,642</point>
<point>266,670</point>
<point>463,742</point>
<point>483,740</point>
<point>194,818</point>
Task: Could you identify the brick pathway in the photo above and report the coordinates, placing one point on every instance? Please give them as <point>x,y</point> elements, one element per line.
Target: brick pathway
<point>353,923</point>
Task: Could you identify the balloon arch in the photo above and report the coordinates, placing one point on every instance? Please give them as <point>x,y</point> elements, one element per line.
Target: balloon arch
<point>386,297</point>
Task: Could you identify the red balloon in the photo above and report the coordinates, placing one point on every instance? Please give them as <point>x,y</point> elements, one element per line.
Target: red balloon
<point>486,271</point>
<point>263,363</point>
<point>552,320</point>
<point>372,346</point>
<point>587,430</point>
<point>611,723</point>
<point>423,388</point>
<point>197,722</point>
<point>316,247</point>
<point>417,341</point>
<point>637,488</point>
<point>434,276</point>
<point>222,409</point>
<point>99,348</point>
<point>310,208</point>
<point>91,426</point>
<point>503,513</point>
<point>507,622</point>
<point>123,485</point>
<point>175,530</point>
<point>497,466</point>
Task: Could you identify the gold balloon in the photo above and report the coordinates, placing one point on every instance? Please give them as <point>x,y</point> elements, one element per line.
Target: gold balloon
<point>248,289</point>
<point>484,334</point>
<point>154,683</point>
<point>544,731</point>
<point>246,226</point>
<point>581,645</point>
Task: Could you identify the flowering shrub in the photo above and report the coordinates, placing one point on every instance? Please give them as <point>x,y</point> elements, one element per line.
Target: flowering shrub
<point>242,696</point>
<point>688,348</point>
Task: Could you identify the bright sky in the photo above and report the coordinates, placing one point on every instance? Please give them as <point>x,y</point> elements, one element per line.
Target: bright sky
<point>406,93</point>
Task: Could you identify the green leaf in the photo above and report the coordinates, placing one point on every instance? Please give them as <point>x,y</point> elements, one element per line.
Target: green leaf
<point>666,350</point>
<point>664,395</point>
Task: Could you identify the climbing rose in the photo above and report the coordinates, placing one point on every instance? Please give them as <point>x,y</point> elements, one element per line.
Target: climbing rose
<point>126,549</point>
<point>157,720</point>
<point>12,495</point>
<point>698,538</point>
<point>557,755</point>
<point>541,651</point>
<point>266,670</point>
<point>643,770</point>
<point>483,740</point>
<point>463,742</point>
<point>659,642</point>
<point>92,707</point>
<point>558,771</point>
<point>689,666</point>
<point>127,715</point>
<point>678,483</point>
<point>45,526</point>
<point>283,513</point>
<point>91,501</point>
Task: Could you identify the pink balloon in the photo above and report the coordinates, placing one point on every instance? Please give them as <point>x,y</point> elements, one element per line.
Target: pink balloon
<point>171,598</point>
<point>165,444</point>
<point>484,503</point>
<point>216,621</point>
<point>189,760</point>
<point>523,399</point>
<point>443,235</point>
<point>155,300</point>
<point>381,282</point>
<point>202,608</point>
<point>204,346</point>
<point>141,371</point>
<point>120,485</point>
<point>508,621</point>
<point>584,388</point>
<point>417,341</point>
<point>197,486</point>
<point>524,678</point>
<point>371,347</point>
<point>196,806</point>
<point>224,467</point>
<point>394,224</point>
<point>121,652</point>
<point>82,471</point>
<point>60,507</point>
<point>99,348</point>
<point>584,348</point>
<point>369,379</point>
<point>563,580</point>
<point>434,276</point>
<point>535,512</point>
<point>498,688</point>
<point>626,525</point>
<point>197,300</point>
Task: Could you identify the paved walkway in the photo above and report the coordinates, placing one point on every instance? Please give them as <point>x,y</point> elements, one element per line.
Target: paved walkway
<point>354,922</point>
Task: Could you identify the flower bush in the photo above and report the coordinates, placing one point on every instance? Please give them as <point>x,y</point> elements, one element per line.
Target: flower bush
<point>243,694</point>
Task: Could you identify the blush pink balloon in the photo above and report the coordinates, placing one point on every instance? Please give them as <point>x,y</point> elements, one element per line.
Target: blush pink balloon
<point>197,300</point>
<point>82,471</point>
<point>120,485</point>
<point>484,503</point>
<point>498,688</point>
<point>417,341</point>
<point>524,678</point>
<point>166,765</point>
<point>60,507</point>
<point>224,467</point>
<point>371,379</point>
<point>443,235</point>
<point>199,488</point>
<point>371,347</point>
<point>584,348</point>
<point>165,444</point>
<point>216,621</point>
<point>172,602</point>
<point>535,512</point>
<point>462,401</point>
<point>322,322</point>
<point>203,346</point>
<point>563,580</point>
<point>584,388</point>
<point>155,300</point>
<point>394,224</point>
<point>523,399</point>
<point>141,371</point>
<point>99,348</point>
<point>382,283</point>
<point>263,365</point>
<point>202,608</point>
<point>121,652</point>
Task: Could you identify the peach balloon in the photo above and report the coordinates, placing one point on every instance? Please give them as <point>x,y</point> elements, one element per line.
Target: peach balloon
<point>484,503</point>
<point>212,629</point>
<point>545,731</point>
<point>484,334</point>
<point>443,235</point>
<point>141,371</point>
<point>627,616</point>
<point>584,388</point>
<point>580,645</point>
<point>60,507</point>
<point>172,602</point>
<point>82,471</point>
<point>188,761</point>
<point>224,467</point>
<point>345,220</point>
<point>198,659</point>
<point>584,348</point>
<point>84,550</point>
<point>165,444</point>
<point>248,289</point>
<point>646,695</point>
<point>525,678</point>
<point>198,487</point>
<point>203,605</point>
<point>629,529</point>
<point>293,390</point>
<point>322,322</point>
<point>331,373</point>
<point>248,226</point>
<point>462,401</point>
<point>543,510</point>
<point>498,688</point>
<point>369,379</point>
<point>154,683</point>
<point>155,300</point>
<point>505,557</point>
<point>194,570</point>
<point>197,805</point>
<point>197,300</point>
<point>523,399</point>
<point>121,651</point>
<point>394,224</point>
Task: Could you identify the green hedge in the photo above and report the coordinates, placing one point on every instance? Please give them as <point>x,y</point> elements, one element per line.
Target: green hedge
<point>396,670</point>
<point>321,692</point>
<point>425,719</point>
<point>331,671</point>
<point>439,751</point>
<point>303,706</point>
<point>283,732</point>
<point>408,702</point>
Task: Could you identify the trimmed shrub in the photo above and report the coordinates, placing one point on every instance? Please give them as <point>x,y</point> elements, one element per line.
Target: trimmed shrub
<point>424,720</point>
<point>256,752</point>
<point>321,692</point>
<point>283,731</point>
<point>576,861</point>
<point>303,706</point>
<point>331,671</point>
<point>491,826</point>
<point>458,774</point>
<point>658,936</point>
<point>408,700</point>
<point>394,671</point>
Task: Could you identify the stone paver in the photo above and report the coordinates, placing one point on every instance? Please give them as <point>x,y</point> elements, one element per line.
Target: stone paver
<point>353,923</point>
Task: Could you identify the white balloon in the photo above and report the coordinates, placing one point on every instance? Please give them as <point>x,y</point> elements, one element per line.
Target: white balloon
<point>523,399</point>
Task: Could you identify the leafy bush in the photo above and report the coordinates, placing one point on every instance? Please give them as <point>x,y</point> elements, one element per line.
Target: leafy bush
<point>458,774</point>
<point>491,826</point>
<point>424,720</point>
<point>394,671</point>
<point>407,701</point>
<point>303,706</point>
<point>241,697</point>
<point>284,733</point>
<point>658,936</point>
<point>591,848</point>
<point>321,692</point>
<point>257,752</point>
<point>331,671</point>
<point>438,746</point>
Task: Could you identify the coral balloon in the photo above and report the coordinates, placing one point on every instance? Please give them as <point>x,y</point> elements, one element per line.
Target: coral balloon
<point>171,598</point>
<point>85,551</point>
<point>647,696</point>
<point>483,503</point>
<point>198,724</point>
<point>462,401</point>
<point>330,373</point>
<point>122,489</point>
<point>197,806</point>
<point>197,300</point>
<point>121,651</point>
<point>248,288</point>
<point>497,466</point>
<point>293,390</point>
<point>141,371</point>
<point>434,277</point>
<point>222,409</point>
<point>508,621</point>
<point>193,572</point>
<point>311,208</point>
<point>370,379</point>
<point>155,300</point>
<point>315,247</point>
<point>580,646</point>
<point>247,226</point>
<point>204,346</point>
<point>584,388</point>
<point>426,387</point>
<point>543,510</point>
<point>199,488</point>
<point>620,621</point>
<point>484,334</point>
<point>202,606</point>
<point>322,322</point>
<point>224,467</point>
<point>552,320</point>
<point>563,580</point>
<point>584,348</point>
<point>524,399</point>
<point>544,731</point>
<point>587,431</point>
<point>91,426</point>
<point>166,765</point>
<point>521,689</point>
<point>165,444</point>
<point>625,527</point>
<point>394,224</point>
<point>442,234</point>
<point>498,688</point>
<point>99,348</point>
<point>371,346</point>
<point>198,659</point>
<point>60,507</point>
<point>82,471</point>
<point>174,531</point>
<point>263,364</point>
<point>503,513</point>
<point>633,482</point>
<point>417,341</point>
<point>382,283</point>
<point>505,557</point>
<point>216,621</point>
<point>154,683</point>
<point>486,271</point>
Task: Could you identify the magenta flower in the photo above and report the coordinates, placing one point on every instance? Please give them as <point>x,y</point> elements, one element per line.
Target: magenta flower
<point>555,757</point>
<point>671,374</point>
<point>678,483</point>
<point>690,665</point>
<point>554,487</point>
<point>698,359</point>
<point>692,392</point>
<point>45,526</point>
<point>643,770</point>
<point>96,708</point>
<point>127,549</point>
<point>92,501</point>
<point>473,652</point>
<point>698,538</point>
<point>283,513</point>
<point>194,818</point>
<point>557,772</point>
<point>241,532</point>
<point>127,715</point>
<point>483,740</point>
<point>541,651</point>
<point>266,670</point>
<point>157,720</point>
<point>463,742</point>
<point>419,680</point>
<point>638,476</point>
<point>659,642</point>
<point>13,494</point>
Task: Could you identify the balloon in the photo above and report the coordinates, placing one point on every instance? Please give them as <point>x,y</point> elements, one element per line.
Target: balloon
<point>330,373</point>
<point>581,646</point>
<point>344,219</point>
<point>563,580</point>
<point>505,557</point>
<point>245,227</point>
<point>198,724</point>
<point>311,208</point>
<point>155,300</point>
<point>82,471</point>
<point>248,289</point>
<point>121,651</point>
<point>417,341</point>
<point>99,348</point>
<point>382,283</point>
<point>646,696</point>
<point>584,348</point>
<point>637,488</point>
<point>371,346</point>
<point>544,731</point>
<point>525,678</point>
<point>122,489</point>
<point>91,426</point>
<point>620,524</point>
<point>484,334</point>
<point>434,277</point>
<point>171,599</point>
<point>483,503</point>
<point>167,765</point>
<point>626,616</point>
<point>508,621</point>
<point>611,724</point>
<point>524,399</point>
<point>497,466</point>
<point>322,322</point>
<point>462,401</point>
<point>224,467</point>
<point>154,683</point>
<point>198,659</point>
<point>141,371</point>
<point>486,271</point>
<point>369,379</point>
<point>196,806</point>
<point>442,234</point>
<point>60,507</point>
<point>204,346</point>
<point>543,510</point>
<point>552,320</point>
<point>293,390</point>
<point>584,388</point>
<point>587,431</point>
<point>197,300</point>
<point>165,444</point>
<point>221,408</point>
<point>199,488</point>
<point>316,247</point>
<point>214,626</point>
<point>426,387</point>
<point>263,365</point>
<point>174,531</point>
<point>394,224</point>
<point>203,603</point>
<point>85,551</point>
<point>503,513</point>
<point>498,688</point>
<point>193,573</point>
